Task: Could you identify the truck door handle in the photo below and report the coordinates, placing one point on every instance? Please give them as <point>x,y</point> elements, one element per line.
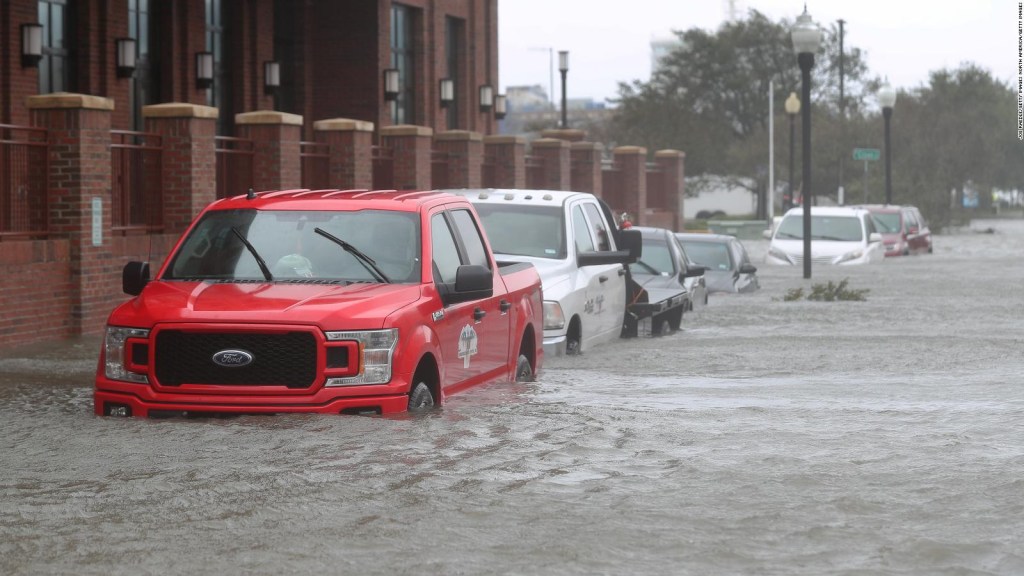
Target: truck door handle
<point>478,314</point>
<point>505,305</point>
<point>602,279</point>
<point>622,271</point>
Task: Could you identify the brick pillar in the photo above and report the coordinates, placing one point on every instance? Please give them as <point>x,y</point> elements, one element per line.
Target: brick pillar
<point>567,134</point>
<point>554,154</point>
<point>80,199</point>
<point>585,172</point>
<point>410,147</point>
<point>465,157</point>
<point>275,140</point>
<point>632,162</point>
<point>671,163</point>
<point>351,151</point>
<point>507,156</point>
<point>189,160</point>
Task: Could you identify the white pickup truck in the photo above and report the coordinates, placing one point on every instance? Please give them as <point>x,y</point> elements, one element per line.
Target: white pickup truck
<point>572,241</point>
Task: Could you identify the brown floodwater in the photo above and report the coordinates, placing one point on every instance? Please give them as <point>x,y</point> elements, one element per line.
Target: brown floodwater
<point>767,437</point>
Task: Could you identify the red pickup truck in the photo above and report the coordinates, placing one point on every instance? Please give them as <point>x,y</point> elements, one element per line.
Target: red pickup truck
<point>329,301</point>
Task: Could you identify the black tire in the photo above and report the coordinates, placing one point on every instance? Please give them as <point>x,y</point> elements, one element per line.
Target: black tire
<point>524,371</point>
<point>572,340</point>
<point>676,319</point>
<point>421,399</point>
<point>660,324</point>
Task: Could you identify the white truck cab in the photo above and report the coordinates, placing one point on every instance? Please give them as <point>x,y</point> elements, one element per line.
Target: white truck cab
<point>572,241</point>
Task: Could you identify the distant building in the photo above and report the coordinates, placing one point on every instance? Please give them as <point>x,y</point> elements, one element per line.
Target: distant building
<point>530,111</point>
<point>661,48</point>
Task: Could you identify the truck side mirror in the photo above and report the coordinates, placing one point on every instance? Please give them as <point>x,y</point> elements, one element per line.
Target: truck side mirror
<point>633,242</point>
<point>472,282</point>
<point>134,277</point>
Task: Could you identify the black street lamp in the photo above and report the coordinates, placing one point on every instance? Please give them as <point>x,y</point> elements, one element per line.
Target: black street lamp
<point>806,40</point>
<point>792,109</point>
<point>887,99</point>
<point>563,67</point>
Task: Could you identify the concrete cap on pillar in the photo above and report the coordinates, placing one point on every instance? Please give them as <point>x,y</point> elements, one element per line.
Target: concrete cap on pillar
<point>68,100</point>
<point>268,117</point>
<point>343,125</point>
<point>179,110</point>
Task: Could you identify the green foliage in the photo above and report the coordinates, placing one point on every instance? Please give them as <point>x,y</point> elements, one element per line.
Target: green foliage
<point>830,292</point>
<point>709,99</point>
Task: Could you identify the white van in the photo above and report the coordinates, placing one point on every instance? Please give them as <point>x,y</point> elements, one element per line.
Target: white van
<point>839,235</point>
<point>572,241</point>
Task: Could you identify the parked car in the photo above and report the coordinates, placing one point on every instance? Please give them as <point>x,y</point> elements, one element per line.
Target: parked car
<point>320,301</point>
<point>659,282</point>
<point>572,240</point>
<point>840,235</point>
<point>903,229</point>
<point>728,268</point>
<point>919,236</point>
<point>695,280</point>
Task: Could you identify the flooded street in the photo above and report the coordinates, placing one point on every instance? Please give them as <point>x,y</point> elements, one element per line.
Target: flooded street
<point>766,437</point>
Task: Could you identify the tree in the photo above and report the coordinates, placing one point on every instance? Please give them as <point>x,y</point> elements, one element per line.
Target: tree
<point>709,98</point>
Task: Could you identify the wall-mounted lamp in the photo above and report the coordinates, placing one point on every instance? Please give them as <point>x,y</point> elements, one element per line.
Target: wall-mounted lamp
<point>204,70</point>
<point>486,98</point>
<point>125,57</point>
<point>271,76</point>
<point>390,84</point>
<point>447,88</point>
<point>500,107</point>
<point>31,44</point>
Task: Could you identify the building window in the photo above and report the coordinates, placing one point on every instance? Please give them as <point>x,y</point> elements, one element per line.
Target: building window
<point>287,51</point>
<point>143,81</point>
<point>455,30</point>
<point>218,95</point>
<point>53,68</point>
<point>403,110</point>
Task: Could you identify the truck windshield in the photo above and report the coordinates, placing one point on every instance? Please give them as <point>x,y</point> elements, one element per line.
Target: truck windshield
<point>835,228</point>
<point>514,229</point>
<point>295,252</point>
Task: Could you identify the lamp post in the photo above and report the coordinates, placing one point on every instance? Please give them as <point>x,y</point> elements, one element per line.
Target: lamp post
<point>792,109</point>
<point>806,39</point>
<point>887,99</point>
<point>563,67</point>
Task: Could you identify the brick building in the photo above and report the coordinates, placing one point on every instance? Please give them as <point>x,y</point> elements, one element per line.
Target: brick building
<point>121,119</point>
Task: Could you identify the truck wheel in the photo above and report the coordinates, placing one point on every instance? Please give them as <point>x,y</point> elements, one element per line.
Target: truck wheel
<point>572,339</point>
<point>524,372</point>
<point>420,398</point>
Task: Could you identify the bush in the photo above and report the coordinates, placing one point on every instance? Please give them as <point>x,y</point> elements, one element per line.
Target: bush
<point>829,293</point>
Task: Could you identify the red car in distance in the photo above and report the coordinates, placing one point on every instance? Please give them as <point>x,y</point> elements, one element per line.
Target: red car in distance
<point>903,228</point>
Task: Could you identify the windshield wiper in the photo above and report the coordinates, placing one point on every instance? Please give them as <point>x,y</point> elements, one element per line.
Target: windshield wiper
<point>259,259</point>
<point>788,235</point>
<point>366,261</point>
<point>831,238</point>
<point>649,268</point>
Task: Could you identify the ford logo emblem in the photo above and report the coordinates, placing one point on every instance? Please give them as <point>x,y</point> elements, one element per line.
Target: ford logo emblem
<point>232,358</point>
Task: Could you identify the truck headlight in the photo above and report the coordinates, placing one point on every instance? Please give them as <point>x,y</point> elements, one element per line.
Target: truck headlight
<point>376,348</point>
<point>119,350</point>
<point>553,317</point>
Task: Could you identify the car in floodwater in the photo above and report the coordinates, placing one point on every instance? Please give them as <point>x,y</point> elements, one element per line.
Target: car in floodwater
<point>903,228</point>
<point>840,235</point>
<point>727,265</point>
<point>660,275</point>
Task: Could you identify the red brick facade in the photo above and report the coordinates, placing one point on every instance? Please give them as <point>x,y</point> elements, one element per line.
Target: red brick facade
<point>61,274</point>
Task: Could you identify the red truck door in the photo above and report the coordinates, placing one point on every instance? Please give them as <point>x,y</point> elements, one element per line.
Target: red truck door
<point>474,335</point>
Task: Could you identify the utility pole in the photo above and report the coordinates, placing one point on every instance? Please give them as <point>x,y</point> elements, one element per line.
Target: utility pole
<point>842,113</point>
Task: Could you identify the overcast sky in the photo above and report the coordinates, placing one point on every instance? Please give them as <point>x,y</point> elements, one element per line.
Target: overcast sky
<point>609,40</point>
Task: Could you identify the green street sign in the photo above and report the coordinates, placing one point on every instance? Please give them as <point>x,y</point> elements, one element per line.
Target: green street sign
<point>865,154</point>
